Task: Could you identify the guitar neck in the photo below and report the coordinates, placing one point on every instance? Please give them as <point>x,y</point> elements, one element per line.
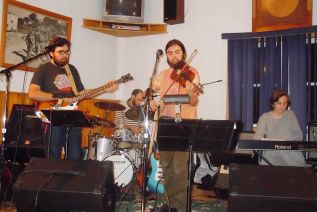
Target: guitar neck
<point>96,91</point>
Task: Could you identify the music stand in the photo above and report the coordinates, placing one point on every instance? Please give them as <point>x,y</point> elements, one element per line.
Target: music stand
<point>197,135</point>
<point>68,119</point>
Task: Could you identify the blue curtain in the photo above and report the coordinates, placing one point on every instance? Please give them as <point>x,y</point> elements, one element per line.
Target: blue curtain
<point>297,64</point>
<point>275,62</point>
<point>270,77</point>
<point>241,80</point>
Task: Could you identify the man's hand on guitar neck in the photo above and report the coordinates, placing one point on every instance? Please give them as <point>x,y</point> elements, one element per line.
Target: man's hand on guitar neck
<point>154,105</point>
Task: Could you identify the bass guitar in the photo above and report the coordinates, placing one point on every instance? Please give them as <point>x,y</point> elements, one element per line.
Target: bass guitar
<point>154,183</point>
<point>88,94</point>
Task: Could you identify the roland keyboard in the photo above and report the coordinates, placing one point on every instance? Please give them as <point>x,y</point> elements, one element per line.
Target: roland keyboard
<point>276,145</point>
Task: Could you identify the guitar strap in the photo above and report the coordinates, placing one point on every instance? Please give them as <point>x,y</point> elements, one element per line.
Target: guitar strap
<point>71,79</point>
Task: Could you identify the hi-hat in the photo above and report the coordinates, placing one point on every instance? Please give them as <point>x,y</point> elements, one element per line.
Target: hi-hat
<point>109,106</point>
<point>97,121</point>
<point>137,114</point>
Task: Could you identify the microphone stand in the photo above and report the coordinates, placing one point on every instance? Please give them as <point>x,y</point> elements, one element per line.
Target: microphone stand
<point>7,73</point>
<point>146,137</point>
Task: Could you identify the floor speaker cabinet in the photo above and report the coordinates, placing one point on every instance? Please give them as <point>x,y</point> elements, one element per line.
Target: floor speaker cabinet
<point>64,185</point>
<point>271,188</point>
<point>24,127</point>
<point>25,134</point>
<point>312,137</point>
<point>22,153</point>
<point>174,11</point>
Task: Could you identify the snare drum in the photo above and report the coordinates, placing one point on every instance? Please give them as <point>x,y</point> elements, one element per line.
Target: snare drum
<point>103,148</point>
<point>123,167</point>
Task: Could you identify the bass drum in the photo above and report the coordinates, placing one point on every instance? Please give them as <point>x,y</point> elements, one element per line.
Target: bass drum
<point>124,169</point>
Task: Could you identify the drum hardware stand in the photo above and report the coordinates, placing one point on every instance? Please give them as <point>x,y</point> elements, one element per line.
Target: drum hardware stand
<point>7,73</point>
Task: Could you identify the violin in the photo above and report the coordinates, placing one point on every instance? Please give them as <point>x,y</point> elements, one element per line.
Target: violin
<point>183,73</point>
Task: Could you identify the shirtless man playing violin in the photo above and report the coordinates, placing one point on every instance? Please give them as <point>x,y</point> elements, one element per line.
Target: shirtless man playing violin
<point>174,164</point>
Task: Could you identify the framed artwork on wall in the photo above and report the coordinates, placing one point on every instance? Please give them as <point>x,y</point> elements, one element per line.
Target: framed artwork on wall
<point>268,15</point>
<point>26,30</point>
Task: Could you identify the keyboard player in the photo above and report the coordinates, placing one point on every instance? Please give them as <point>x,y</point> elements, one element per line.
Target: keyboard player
<point>280,124</point>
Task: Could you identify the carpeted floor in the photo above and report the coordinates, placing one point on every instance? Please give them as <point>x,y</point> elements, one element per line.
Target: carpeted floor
<point>197,206</point>
<point>202,201</point>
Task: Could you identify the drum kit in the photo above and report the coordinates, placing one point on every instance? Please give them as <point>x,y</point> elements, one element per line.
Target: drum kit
<point>123,148</point>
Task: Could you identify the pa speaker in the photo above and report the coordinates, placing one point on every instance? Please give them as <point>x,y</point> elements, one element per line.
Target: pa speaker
<point>174,11</point>
<point>62,185</point>
<point>271,188</point>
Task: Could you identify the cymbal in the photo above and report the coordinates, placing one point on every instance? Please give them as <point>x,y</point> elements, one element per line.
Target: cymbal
<point>137,114</point>
<point>109,106</point>
<point>97,121</point>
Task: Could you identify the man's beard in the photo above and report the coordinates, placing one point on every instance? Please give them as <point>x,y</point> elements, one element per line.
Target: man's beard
<point>60,63</point>
<point>174,65</point>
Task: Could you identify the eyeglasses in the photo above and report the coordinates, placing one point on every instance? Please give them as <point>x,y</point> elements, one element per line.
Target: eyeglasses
<point>62,52</point>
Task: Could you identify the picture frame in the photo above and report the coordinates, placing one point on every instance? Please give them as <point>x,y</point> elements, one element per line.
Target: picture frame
<point>26,31</point>
<point>269,15</point>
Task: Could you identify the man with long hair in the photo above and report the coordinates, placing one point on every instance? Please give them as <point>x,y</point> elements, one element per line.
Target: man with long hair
<point>174,164</point>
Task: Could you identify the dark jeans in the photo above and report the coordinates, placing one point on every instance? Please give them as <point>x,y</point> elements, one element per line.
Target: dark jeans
<point>58,140</point>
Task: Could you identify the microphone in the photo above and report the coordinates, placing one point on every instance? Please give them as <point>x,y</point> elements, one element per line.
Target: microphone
<point>159,53</point>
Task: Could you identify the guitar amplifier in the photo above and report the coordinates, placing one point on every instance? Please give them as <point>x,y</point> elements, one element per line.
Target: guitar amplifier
<point>62,185</point>
<point>271,188</point>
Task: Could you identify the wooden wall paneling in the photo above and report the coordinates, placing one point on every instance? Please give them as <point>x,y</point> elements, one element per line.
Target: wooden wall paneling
<point>87,106</point>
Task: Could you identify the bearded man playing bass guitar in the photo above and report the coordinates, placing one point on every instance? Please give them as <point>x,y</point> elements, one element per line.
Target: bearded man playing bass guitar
<point>58,80</point>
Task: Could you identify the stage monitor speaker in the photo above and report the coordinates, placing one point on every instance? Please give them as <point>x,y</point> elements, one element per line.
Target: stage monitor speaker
<point>174,11</point>
<point>64,185</point>
<point>24,126</point>
<point>271,188</point>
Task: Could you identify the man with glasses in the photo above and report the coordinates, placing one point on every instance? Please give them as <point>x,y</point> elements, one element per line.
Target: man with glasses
<point>59,80</point>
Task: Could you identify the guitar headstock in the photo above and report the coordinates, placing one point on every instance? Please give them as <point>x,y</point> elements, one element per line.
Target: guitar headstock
<point>126,78</point>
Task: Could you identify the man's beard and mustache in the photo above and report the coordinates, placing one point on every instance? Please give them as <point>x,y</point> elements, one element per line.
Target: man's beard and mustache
<point>175,65</point>
<point>61,63</point>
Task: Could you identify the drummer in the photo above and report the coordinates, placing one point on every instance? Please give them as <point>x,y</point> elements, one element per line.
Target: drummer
<point>121,121</point>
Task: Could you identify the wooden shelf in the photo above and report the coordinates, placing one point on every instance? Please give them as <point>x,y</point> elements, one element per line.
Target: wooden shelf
<point>108,28</point>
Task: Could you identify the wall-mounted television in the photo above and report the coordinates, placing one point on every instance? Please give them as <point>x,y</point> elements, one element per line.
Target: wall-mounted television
<point>123,11</point>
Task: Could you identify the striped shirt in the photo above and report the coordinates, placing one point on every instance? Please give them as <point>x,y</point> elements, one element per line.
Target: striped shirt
<point>123,122</point>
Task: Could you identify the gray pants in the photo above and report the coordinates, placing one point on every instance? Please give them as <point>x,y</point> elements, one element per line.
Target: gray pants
<point>175,166</point>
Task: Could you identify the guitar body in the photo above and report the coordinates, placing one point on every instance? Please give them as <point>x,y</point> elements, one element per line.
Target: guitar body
<point>154,182</point>
<point>53,105</point>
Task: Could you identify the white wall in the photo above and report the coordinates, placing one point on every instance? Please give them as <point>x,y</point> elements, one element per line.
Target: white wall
<point>93,53</point>
<point>204,22</point>
<point>100,57</point>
